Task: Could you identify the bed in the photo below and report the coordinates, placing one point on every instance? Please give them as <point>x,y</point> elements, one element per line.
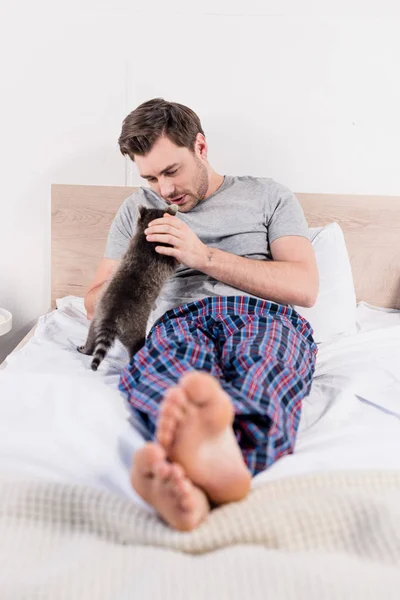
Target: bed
<point>322,522</point>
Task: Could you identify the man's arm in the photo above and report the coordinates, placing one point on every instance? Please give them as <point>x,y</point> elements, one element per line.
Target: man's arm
<point>291,278</point>
<point>105,270</point>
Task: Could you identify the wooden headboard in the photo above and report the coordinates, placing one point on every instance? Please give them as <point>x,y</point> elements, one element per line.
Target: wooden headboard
<point>82,215</point>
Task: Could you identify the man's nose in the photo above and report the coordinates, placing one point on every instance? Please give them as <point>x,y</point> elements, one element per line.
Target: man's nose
<point>166,189</point>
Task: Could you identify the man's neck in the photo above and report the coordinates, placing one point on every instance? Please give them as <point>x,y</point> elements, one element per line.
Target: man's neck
<point>215,182</point>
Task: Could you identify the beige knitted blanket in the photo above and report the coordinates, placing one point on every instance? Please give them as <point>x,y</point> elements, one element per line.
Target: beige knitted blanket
<point>332,535</point>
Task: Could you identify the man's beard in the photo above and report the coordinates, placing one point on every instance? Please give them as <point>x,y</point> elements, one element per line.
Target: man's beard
<point>200,187</point>
<point>201,183</point>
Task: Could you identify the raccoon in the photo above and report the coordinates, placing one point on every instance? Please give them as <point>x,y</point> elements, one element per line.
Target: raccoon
<point>124,308</point>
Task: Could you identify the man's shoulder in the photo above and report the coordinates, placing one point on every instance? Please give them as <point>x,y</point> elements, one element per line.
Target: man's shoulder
<point>250,180</point>
<point>265,188</point>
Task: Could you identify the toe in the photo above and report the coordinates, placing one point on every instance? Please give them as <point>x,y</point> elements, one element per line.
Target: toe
<point>186,500</point>
<point>163,471</point>
<point>200,386</point>
<point>165,431</point>
<point>174,403</point>
<point>181,484</point>
<point>181,487</point>
<point>177,472</point>
<point>148,456</point>
<point>172,412</point>
<point>203,391</point>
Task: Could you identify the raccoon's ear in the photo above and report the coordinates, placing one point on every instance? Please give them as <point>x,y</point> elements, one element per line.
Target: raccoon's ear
<point>173,209</point>
<point>142,211</point>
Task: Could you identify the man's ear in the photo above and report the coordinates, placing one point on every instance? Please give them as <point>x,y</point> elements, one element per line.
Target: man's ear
<point>200,146</point>
<point>142,211</point>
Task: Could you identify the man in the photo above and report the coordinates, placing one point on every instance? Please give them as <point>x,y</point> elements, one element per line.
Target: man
<point>227,360</point>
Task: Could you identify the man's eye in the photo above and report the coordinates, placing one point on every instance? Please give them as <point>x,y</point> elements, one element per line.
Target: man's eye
<point>171,172</point>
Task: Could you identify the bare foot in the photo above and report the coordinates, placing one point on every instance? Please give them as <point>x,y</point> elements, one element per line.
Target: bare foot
<point>195,428</point>
<point>165,486</point>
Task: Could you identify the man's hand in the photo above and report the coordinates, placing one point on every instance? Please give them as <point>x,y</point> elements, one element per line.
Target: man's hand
<point>187,248</point>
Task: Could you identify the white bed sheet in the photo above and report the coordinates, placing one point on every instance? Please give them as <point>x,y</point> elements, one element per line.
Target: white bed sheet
<point>61,421</point>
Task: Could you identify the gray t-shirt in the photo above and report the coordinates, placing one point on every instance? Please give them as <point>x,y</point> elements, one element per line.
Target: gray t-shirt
<point>243,217</point>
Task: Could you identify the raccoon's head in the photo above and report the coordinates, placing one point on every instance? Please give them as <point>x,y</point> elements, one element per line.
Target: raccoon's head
<point>146,215</point>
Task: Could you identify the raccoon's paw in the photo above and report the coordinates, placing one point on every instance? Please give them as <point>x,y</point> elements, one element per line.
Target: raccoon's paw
<point>81,349</point>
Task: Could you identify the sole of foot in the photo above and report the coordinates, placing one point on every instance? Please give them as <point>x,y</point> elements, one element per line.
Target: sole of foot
<point>195,429</point>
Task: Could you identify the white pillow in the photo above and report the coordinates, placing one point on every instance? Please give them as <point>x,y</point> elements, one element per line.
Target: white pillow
<point>334,312</point>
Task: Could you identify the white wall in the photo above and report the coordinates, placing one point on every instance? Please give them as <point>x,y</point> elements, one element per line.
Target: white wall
<point>305,92</point>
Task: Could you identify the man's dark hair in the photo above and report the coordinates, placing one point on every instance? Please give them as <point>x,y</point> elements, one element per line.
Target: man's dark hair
<point>157,117</point>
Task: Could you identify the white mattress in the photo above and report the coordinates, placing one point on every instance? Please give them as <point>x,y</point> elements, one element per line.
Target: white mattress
<point>61,421</point>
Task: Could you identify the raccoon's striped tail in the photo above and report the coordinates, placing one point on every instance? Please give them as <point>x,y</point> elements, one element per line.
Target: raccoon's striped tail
<point>105,337</point>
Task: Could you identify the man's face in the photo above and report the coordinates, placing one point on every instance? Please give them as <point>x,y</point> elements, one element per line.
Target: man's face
<point>176,174</point>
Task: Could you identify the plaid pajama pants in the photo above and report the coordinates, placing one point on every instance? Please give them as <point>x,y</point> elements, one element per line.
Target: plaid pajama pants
<point>262,353</point>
